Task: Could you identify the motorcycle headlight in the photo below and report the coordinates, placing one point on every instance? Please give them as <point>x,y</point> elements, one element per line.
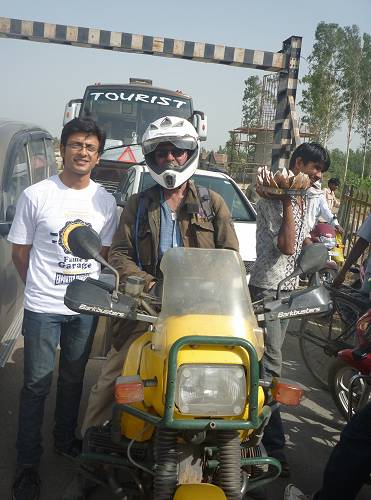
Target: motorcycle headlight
<point>329,242</point>
<point>211,390</point>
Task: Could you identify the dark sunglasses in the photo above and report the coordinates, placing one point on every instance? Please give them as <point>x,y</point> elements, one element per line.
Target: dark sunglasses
<point>176,152</point>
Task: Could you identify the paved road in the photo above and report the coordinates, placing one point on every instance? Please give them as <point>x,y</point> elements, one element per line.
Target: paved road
<point>312,429</point>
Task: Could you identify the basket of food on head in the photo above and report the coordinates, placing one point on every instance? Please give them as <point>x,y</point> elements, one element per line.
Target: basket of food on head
<point>282,182</point>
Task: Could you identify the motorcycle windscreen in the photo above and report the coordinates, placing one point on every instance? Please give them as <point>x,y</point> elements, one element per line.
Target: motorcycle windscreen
<point>212,282</point>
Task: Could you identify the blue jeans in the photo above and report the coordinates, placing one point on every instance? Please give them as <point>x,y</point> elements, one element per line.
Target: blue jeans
<point>42,333</point>
<point>349,465</point>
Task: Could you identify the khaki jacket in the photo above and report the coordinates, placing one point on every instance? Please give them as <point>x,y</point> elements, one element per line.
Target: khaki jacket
<point>195,229</point>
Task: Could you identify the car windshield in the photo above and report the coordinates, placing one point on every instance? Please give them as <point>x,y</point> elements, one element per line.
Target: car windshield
<point>239,208</point>
<point>125,112</point>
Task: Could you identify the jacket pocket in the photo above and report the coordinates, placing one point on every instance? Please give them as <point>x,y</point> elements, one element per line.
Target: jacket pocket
<point>204,232</point>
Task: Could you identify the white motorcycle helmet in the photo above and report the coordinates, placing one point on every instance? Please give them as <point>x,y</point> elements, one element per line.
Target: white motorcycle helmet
<point>179,132</point>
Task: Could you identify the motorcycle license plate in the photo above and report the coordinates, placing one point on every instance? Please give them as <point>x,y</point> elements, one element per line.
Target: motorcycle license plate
<point>332,254</point>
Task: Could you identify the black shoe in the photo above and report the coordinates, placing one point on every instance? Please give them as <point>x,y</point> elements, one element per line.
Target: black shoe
<point>26,484</point>
<point>72,451</point>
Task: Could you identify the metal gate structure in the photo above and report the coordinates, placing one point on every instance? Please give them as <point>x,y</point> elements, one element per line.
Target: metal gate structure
<point>285,62</point>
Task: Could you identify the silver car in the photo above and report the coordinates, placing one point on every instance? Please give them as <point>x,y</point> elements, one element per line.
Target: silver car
<point>26,157</point>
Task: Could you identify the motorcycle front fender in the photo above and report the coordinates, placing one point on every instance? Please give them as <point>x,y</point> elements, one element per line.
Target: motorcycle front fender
<point>199,492</point>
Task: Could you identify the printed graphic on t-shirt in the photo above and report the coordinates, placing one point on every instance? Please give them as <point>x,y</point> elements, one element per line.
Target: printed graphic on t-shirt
<point>73,267</point>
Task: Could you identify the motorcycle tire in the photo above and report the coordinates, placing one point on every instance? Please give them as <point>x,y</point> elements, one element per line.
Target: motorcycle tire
<point>340,374</point>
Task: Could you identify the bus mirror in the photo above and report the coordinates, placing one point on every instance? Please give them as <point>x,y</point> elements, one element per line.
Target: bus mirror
<point>72,110</point>
<point>199,121</point>
<point>121,198</point>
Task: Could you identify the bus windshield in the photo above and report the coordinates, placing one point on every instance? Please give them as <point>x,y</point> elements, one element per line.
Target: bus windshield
<point>125,112</point>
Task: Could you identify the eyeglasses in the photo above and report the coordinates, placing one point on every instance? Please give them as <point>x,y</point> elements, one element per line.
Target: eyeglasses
<point>176,152</point>
<point>79,146</point>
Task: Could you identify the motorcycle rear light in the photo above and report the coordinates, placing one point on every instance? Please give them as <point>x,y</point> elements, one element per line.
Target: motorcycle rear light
<point>287,392</point>
<point>129,390</point>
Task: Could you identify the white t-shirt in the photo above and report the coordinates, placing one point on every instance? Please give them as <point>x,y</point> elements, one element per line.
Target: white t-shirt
<point>45,212</point>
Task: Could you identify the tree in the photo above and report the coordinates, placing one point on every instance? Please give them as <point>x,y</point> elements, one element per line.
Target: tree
<point>322,103</point>
<point>251,102</point>
<point>351,58</point>
<point>232,154</point>
<point>251,112</point>
<point>364,111</point>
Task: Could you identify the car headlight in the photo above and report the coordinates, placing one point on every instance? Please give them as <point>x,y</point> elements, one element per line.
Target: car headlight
<point>211,390</point>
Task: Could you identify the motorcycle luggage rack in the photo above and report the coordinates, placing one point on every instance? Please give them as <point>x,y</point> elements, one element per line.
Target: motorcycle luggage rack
<point>168,420</point>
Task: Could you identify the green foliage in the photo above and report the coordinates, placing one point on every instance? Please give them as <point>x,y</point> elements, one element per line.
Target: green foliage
<point>251,102</point>
<point>353,176</point>
<point>232,153</point>
<point>351,85</point>
<point>364,111</point>
<point>322,103</point>
<point>337,88</point>
<point>251,113</point>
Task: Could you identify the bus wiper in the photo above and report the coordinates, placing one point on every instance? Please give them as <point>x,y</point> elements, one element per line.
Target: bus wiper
<point>121,146</point>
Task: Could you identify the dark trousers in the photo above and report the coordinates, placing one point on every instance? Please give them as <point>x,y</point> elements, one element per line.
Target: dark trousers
<point>349,465</point>
<point>42,334</point>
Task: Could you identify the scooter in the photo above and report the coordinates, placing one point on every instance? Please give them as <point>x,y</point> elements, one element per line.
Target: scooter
<point>349,377</point>
<point>189,409</point>
<point>327,235</point>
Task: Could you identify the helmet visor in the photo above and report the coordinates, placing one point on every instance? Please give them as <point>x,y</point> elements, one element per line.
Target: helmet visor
<point>179,142</point>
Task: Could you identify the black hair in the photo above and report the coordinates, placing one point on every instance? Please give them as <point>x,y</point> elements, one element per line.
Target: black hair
<point>86,125</point>
<point>333,180</point>
<point>311,151</point>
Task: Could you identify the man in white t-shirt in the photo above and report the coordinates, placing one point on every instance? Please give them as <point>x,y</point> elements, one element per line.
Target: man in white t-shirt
<point>45,214</point>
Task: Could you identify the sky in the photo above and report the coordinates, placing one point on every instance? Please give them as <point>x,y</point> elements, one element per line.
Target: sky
<point>37,79</point>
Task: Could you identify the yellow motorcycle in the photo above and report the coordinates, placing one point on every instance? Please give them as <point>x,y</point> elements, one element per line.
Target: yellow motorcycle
<point>189,408</point>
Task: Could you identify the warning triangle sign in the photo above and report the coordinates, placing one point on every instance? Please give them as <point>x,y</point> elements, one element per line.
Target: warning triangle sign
<point>127,156</point>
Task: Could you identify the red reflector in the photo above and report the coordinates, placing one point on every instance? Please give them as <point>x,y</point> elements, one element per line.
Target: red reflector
<point>129,390</point>
<point>287,392</point>
<point>127,156</point>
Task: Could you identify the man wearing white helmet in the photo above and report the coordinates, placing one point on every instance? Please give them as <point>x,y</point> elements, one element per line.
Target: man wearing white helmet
<point>172,213</point>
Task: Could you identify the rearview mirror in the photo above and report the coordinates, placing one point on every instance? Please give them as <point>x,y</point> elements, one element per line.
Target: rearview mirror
<point>84,242</point>
<point>199,121</point>
<point>312,258</point>
<point>120,198</point>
